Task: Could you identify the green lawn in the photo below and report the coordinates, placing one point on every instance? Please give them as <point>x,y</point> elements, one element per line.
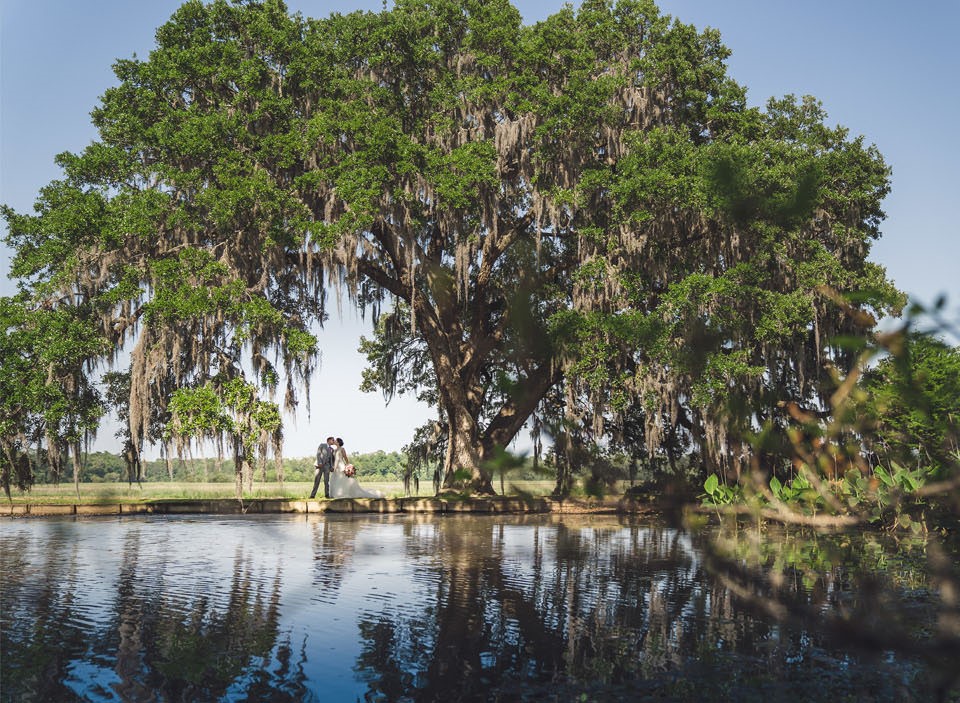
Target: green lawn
<point>183,490</point>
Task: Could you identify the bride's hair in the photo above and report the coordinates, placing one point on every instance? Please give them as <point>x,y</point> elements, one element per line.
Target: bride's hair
<point>339,441</point>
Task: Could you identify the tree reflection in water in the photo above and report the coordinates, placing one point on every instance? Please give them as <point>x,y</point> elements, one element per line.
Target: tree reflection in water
<point>407,608</point>
<point>37,649</point>
<point>161,642</point>
<point>882,596</point>
<point>607,611</point>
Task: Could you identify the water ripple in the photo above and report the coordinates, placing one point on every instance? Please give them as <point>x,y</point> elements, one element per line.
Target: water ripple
<point>372,607</point>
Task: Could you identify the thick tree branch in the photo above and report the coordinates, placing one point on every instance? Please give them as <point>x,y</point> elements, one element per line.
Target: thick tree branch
<point>514,413</point>
<point>376,274</point>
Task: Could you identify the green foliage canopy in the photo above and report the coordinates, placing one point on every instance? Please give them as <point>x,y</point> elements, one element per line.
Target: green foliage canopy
<point>585,204</point>
<point>45,392</point>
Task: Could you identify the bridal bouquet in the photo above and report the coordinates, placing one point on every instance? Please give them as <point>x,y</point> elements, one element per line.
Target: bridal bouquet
<point>349,470</point>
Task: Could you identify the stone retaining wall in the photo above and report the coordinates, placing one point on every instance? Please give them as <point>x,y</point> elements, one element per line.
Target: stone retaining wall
<point>485,505</point>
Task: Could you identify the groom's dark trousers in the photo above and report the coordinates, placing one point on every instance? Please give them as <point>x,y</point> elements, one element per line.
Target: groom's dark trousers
<point>324,467</point>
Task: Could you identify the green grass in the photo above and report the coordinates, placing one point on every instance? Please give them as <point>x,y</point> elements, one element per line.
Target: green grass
<point>174,490</point>
<point>121,492</point>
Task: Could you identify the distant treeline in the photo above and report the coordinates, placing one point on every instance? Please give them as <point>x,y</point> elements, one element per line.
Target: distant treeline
<point>105,467</point>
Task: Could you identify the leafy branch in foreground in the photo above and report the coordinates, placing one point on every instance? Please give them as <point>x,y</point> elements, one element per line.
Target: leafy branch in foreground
<point>885,453</point>
<point>868,462</point>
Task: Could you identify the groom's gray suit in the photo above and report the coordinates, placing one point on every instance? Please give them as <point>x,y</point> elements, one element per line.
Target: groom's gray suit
<point>324,466</point>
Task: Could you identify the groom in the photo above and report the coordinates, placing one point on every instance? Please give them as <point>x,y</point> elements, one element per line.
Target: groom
<point>323,466</point>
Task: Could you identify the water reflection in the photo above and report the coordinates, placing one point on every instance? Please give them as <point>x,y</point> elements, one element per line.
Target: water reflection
<point>409,609</point>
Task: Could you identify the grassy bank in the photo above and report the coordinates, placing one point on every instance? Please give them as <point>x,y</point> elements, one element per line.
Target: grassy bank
<point>94,493</point>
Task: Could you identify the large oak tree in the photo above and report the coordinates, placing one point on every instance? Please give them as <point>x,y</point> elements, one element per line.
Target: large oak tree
<point>586,205</point>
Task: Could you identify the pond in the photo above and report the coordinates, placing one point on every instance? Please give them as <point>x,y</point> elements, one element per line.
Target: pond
<point>429,608</point>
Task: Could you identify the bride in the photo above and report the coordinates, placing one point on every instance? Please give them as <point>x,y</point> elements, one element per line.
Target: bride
<point>342,482</point>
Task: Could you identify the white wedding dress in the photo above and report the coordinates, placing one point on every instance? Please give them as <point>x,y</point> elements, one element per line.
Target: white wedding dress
<point>343,486</point>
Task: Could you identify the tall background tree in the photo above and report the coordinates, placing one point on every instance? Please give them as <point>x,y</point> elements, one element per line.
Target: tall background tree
<point>913,403</point>
<point>46,396</point>
<point>181,236</point>
<point>571,218</point>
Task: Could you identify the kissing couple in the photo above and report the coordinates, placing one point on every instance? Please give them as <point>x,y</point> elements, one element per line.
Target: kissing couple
<point>337,472</point>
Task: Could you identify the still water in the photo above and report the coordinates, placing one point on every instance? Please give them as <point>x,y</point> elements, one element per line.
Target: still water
<point>399,608</point>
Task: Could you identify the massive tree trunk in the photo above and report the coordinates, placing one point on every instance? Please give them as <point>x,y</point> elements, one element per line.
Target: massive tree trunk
<point>473,445</point>
<point>474,436</point>
<point>464,318</point>
<point>466,456</point>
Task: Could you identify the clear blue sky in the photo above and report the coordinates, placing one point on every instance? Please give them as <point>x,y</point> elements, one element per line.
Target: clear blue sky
<point>887,70</point>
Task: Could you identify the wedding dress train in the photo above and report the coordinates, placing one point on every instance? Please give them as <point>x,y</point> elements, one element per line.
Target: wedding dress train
<point>343,486</point>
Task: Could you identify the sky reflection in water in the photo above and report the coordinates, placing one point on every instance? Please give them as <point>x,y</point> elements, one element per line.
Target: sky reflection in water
<point>342,608</point>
